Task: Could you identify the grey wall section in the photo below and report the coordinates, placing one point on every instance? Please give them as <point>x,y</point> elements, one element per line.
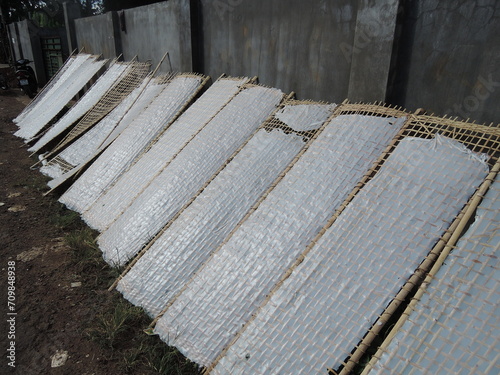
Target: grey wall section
<point>148,32</point>
<point>96,35</point>
<point>439,55</point>
<point>371,51</point>
<point>23,40</point>
<point>155,29</point>
<point>16,47</point>
<point>449,58</point>
<point>293,45</point>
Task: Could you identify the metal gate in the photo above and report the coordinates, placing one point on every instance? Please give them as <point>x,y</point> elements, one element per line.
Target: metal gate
<point>52,55</point>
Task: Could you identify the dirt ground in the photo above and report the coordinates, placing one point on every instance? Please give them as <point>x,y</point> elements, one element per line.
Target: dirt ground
<point>45,312</point>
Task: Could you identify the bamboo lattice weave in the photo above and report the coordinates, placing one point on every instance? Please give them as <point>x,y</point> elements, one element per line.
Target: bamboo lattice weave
<point>331,299</point>
<point>455,327</point>
<point>145,98</point>
<point>91,141</point>
<point>121,153</point>
<point>188,172</point>
<point>226,291</point>
<point>82,106</point>
<point>130,79</point>
<point>201,227</point>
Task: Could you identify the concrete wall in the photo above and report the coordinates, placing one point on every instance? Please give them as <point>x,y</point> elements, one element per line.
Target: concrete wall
<point>155,29</point>
<point>148,32</point>
<point>449,58</point>
<point>433,54</point>
<point>22,40</point>
<point>96,35</point>
<point>293,45</point>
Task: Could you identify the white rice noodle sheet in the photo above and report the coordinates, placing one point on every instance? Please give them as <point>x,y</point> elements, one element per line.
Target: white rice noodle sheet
<point>147,96</point>
<point>303,117</point>
<point>226,291</point>
<point>90,99</point>
<point>69,66</point>
<point>457,319</point>
<point>168,100</point>
<point>123,192</point>
<point>319,314</point>
<point>90,141</point>
<point>196,163</point>
<point>42,114</point>
<point>200,229</point>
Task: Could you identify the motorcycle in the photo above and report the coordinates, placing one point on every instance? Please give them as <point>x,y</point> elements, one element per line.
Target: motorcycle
<point>26,77</point>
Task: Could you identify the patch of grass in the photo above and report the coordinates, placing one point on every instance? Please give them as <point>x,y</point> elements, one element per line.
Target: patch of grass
<point>116,325</point>
<point>34,181</point>
<point>65,219</point>
<point>132,358</point>
<point>82,242</point>
<point>120,328</point>
<point>168,360</point>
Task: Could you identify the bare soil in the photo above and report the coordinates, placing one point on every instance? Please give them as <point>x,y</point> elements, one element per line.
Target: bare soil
<point>49,313</point>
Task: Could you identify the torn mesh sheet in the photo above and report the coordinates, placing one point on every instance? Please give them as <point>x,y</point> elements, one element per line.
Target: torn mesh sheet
<point>233,282</point>
<point>201,228</point>
<point>303,117</point>
<point>89,143</point>
<point>319,314</point>
<point>455,328</point>
<point>50,88</point>
<point>187,173</point>
<point>121,195</point>
<point>87,101</point>
<point>131,142</point>
<point>39,117</point>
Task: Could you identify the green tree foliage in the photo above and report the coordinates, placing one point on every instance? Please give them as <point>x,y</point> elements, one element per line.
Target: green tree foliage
<point>17,10</point>
<point>48,13</point>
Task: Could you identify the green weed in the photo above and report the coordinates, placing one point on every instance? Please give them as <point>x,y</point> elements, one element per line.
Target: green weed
<point>115,326</point>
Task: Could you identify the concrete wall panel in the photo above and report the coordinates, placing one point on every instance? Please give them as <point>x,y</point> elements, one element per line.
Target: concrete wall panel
<point>293,45</point>
<point>449,58</point>
<point>152,30</point>
<point>96,35</point>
